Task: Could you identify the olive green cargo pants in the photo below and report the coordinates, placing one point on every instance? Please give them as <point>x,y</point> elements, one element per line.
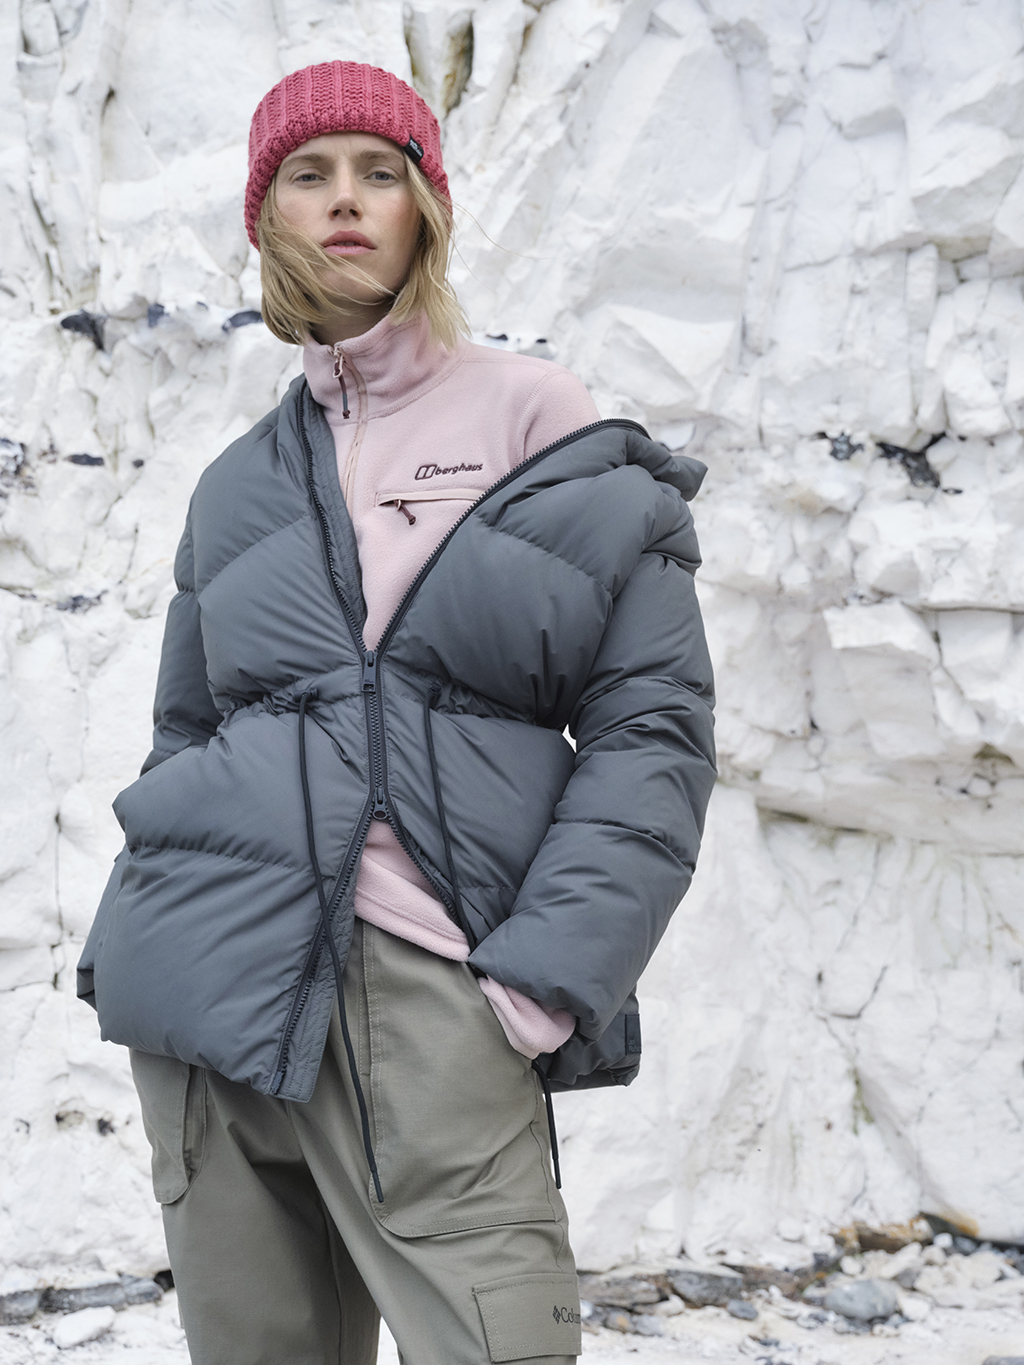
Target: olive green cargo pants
<point>281,1253</point>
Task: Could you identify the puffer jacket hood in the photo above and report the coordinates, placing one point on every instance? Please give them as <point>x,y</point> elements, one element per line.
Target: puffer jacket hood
<point>563,599</point>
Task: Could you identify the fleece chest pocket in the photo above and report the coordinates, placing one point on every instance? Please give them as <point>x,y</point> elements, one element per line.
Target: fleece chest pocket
<point>437,503</point>
<point>173,1098</point>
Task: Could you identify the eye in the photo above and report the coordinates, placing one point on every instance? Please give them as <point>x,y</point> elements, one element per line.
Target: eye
<point>383,176</point>
<point>306,177</point>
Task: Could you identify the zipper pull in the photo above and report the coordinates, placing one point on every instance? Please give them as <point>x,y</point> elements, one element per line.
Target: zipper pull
<point>370,671</point>
<point>339,366</point>
<point>401,507</point>
<point>380,809</point>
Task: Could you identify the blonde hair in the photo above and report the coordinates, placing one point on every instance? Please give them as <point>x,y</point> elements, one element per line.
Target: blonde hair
<point>298,293</point>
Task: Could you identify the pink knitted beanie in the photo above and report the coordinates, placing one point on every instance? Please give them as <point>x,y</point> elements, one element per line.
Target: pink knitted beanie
<point>337,97</point>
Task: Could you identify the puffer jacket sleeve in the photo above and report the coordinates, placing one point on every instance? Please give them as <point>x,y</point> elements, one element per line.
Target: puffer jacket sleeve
<point>623,845</point>
<point>183,715</point>
<point>183,712</point>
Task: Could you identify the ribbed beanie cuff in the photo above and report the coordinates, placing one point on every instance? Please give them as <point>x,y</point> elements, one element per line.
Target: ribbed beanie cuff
<point>338,97</point>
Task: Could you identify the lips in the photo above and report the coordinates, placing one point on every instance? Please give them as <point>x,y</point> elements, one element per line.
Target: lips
<point>348,244</point>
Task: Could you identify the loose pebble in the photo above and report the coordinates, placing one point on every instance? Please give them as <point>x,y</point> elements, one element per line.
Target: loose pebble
<point>619,1321</point>
<point>703,1287</point>
<point>741,1308</point>
<point>648,1325</point>
<point>864,1300</point>
<point>19,1306</point>
<point>670,1307</point>
<point>106,1294</point>
<point>86,1325</point>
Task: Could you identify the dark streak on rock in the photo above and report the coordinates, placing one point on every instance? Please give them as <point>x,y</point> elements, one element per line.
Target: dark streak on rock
<point>87,324</point>
<point>80,602</point>
<point>843,446</point>
<point>914,462</point>
<point>243,319</point>
<point>84,459</point>
<point>13,465</point>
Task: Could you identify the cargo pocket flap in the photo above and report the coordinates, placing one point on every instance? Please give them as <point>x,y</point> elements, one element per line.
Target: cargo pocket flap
<point>530,1315</point>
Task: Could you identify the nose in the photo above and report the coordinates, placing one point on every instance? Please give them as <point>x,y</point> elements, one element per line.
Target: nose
<point>344,201</point>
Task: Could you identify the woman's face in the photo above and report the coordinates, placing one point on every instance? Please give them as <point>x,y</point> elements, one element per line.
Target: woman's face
<point>350,192</point>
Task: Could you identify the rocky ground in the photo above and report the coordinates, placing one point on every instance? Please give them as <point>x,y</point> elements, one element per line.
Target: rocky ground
<point>150,1335</point>
<point>945,1302</point>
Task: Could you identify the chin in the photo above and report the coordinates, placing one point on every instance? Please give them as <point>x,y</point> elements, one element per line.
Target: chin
<point>352,291</point>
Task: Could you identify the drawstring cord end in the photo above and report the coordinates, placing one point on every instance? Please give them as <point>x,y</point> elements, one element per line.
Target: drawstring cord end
<point>551,1125</point>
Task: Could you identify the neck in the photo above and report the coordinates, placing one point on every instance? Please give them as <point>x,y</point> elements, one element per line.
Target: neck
<point>356,320</point>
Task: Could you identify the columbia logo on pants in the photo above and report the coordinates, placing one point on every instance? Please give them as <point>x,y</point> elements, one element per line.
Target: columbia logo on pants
<point>568,1315</point>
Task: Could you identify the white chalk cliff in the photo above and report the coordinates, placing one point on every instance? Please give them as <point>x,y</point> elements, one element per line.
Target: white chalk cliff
<point>743,223</point>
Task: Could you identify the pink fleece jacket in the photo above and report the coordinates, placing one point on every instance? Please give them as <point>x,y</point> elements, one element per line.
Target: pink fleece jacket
<point>428,430</point>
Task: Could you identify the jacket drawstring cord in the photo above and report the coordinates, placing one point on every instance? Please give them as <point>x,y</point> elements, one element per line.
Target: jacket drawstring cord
<point>339,365</point>
<point>551,1124</point>
<point>364,1117</point>
<point>442,819</point>
<point>428,702</point>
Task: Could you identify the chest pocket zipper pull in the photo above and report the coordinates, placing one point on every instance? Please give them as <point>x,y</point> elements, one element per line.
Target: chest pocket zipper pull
<point>401,507</point>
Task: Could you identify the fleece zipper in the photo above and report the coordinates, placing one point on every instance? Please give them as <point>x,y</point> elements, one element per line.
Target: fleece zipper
<point>378,805</point>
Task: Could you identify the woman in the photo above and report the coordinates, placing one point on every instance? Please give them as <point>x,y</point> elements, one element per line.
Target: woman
<point>395,593</point>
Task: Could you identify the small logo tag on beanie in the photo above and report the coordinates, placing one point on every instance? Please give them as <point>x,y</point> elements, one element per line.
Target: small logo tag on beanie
<point>413,148</point>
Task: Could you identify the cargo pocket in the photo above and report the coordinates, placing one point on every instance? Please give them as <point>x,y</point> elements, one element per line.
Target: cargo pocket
<point>525,1316</point>
<point>458,1119</point>
<point>173,1099</point>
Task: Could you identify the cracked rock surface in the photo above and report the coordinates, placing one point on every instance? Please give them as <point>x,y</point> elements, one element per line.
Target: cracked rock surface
<point>787,237</point>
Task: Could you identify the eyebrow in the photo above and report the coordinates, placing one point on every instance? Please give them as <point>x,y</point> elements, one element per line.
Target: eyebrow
<point>321,159</point>
<point>310,158</point>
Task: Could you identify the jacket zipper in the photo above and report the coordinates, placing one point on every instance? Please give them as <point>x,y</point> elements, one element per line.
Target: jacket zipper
<point>375,730</point>
<point>312,962</point>
<point>378,806</point>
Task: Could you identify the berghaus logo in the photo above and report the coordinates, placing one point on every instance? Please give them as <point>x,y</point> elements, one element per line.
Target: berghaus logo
<point>428,471</point>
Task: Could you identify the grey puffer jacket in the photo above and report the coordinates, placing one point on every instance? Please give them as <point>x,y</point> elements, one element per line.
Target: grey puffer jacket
<point>563,598</point>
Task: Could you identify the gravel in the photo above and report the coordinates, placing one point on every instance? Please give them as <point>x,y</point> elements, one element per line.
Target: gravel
<point>149,1335</point>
